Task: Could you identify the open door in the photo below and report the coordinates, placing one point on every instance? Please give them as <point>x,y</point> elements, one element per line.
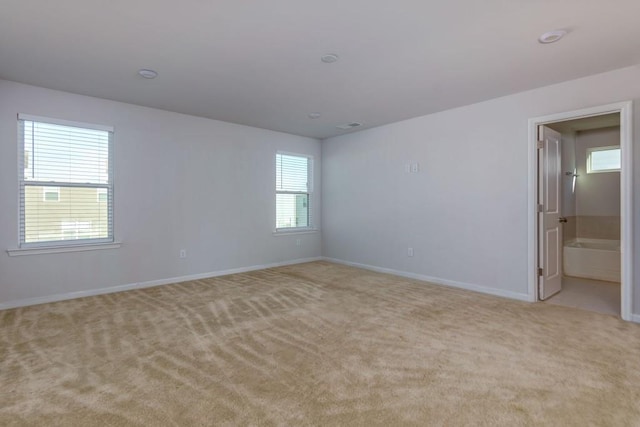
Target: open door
<point>549,216</point>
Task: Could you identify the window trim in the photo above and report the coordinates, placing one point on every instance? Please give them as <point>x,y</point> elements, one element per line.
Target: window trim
<point>54,121</point>
<point>591,150</point>
<point>56,246</point>
<point>62,249</point>
<point>310,228</point>
<point>292,231</point>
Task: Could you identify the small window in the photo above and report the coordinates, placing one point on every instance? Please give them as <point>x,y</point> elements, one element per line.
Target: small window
<point>66,182</point>
<point>102,195</point>
<point>50,194</point>
<point>603,159</point>
<point>293,192</point>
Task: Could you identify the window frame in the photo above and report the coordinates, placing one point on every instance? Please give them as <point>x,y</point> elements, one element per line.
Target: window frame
<point>591,150</point>
<point>69,244</point>
<point>310,224</point>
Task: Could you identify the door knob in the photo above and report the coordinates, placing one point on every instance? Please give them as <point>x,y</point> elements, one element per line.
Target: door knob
<point>562,219</point>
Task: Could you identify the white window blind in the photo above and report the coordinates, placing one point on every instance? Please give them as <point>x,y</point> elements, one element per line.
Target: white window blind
<point>293,191</point>
<point>62,167</point>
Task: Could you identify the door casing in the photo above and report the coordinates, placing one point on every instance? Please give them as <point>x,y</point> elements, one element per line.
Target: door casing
<point>626,195</point>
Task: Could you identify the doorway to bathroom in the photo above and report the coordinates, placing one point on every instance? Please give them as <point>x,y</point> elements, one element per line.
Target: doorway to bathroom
<point>580,216</point>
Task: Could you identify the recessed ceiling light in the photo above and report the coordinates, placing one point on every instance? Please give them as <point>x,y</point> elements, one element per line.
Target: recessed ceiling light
<point>148,74</point>
<point>349,126</point>
<point>329,58</point>
<point>314,115</point>
<point>551,36</point>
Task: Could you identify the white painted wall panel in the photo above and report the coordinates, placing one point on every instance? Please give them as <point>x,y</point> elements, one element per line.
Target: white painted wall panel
<point>180,182</point>
<point>568,165</point>
<point>465,212</point>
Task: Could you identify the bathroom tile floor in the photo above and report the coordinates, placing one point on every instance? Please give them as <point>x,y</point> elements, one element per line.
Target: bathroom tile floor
<point>594,295</point>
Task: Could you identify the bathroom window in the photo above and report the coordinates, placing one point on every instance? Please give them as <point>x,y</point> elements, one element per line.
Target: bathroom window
<point>603,159</point>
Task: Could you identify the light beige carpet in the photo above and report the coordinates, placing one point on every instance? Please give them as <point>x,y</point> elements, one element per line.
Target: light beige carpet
<point>315,344</point>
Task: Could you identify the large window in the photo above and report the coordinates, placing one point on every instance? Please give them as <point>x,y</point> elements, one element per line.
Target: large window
<point>293,191</point>
<point>603,159</point>
<point>62,167</point>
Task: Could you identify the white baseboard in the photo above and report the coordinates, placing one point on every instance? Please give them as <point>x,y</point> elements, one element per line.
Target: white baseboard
<point>120,288</point>
<point>436,280</point>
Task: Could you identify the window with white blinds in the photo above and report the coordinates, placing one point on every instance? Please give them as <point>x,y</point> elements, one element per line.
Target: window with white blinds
<point>66,182</point>
<point>293,191</point>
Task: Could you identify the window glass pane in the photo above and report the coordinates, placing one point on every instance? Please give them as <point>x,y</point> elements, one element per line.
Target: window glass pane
<point>76,215</point>
<point>605,159</point>
<point>103,195</point>
<point>77,201</point>
<point>292,173</point>
<point>51,194</point>
<point>292,210</point>
<point>65,154</point>
<point>292,191</point>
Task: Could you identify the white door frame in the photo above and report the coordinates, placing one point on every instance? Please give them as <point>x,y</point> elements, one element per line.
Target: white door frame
<point>626,195</point>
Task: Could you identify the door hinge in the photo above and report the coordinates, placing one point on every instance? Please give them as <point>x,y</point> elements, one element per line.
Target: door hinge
<point>539,271</point>
<point>540,208</point>
<point>540,145</point>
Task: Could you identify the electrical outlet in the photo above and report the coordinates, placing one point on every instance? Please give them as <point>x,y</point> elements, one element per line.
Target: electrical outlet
<point>410,252</point>
<point>298,242</point>
<point>415,167</point>
<point>407,168</point>
<point>183,253</point>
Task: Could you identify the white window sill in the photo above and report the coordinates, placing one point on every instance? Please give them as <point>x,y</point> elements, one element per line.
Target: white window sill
<point>62,249</point>
<point>286,232</point>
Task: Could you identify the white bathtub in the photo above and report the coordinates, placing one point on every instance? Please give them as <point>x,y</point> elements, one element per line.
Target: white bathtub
<point>593,259</point>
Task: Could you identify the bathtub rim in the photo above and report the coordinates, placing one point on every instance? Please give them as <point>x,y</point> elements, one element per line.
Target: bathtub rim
<point>615,245</point>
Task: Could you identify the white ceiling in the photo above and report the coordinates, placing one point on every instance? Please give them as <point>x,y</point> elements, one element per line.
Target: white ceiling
<point>587,123</point>
<point>257,62</point>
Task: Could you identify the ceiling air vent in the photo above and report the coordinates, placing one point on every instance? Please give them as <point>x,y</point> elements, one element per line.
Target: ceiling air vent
<point>349,126</point>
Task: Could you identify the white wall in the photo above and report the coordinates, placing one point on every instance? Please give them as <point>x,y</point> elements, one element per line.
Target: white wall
<point>597,194</point>
<point>204,185</point>
<point>568,165</point>
<point>465,212</point>
<point>180,182</point>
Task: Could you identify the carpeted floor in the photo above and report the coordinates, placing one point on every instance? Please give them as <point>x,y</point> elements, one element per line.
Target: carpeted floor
<point>315,344</point>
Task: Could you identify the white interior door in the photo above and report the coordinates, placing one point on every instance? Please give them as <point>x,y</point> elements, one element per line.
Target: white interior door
<point>549,217</point>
